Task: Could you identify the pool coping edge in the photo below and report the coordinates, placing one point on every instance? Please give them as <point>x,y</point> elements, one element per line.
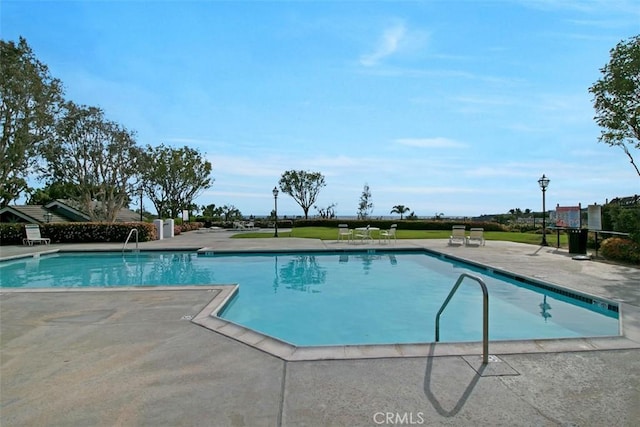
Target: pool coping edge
<point>209,319</point>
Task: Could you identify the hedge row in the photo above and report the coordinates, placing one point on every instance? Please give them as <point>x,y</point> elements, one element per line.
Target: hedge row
<point>402,225</point>
<point>258,223</point>
<point>180,227</point>
<point>80,232</point>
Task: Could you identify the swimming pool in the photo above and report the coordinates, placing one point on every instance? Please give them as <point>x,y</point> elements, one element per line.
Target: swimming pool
<point>339,298</point>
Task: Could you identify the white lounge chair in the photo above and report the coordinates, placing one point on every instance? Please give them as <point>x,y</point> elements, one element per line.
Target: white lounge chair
<point>344,232</point>
<point>33,235</point>
<point>363,233</point>
<point>388,234</point>
<point>457,235</point>
<point>476,237</point>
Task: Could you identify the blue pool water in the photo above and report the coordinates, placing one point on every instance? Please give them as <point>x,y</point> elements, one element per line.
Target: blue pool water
<point>335,298</point>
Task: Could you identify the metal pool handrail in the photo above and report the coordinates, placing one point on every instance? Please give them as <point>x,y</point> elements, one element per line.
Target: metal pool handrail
<point>128,237</point>
<point>485,313</point>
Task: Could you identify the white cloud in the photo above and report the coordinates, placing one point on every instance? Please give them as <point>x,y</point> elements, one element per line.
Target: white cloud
<point>437,142</point>
<point>274,166</point>
<point>388,45</point>
<point>425,190</point>
<point>496,171</point>
<point>245,166</point>
<point>591,6</point>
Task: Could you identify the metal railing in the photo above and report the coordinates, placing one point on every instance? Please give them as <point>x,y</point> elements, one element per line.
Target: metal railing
<point>128,237</point>
<point>485,313</point>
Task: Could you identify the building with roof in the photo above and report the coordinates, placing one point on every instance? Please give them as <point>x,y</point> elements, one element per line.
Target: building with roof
<point>56,211</point>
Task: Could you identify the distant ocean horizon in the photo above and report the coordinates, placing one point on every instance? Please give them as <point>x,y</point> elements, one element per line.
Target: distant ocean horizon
<point>355,217</point>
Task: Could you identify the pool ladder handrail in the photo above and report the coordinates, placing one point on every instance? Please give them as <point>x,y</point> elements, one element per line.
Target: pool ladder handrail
<point>485,313</point>
<point>128,237</point>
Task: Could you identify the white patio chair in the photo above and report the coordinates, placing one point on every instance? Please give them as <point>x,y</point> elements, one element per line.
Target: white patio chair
<point>457,235</point>
<point>387,235</point>
<point>363,234</point>
<point>476,237</point>
<point>344,233</point>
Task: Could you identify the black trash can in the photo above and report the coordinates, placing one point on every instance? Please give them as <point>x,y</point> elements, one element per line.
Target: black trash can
<point>578,240</point>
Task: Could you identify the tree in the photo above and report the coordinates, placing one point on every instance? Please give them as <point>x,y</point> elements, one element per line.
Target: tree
<point>211,211</point>
<point>30,99</point>
<point>516,213</point>
<point>172,178</point>
<point>230,213</point>
<point>53,191</point>
<point>97,156</point>
<point>400,209</point>
<point>365,207</point>
<point>617,98</point>
<point>623,219</point>
<point>328,212</point>
<point>303,186</point>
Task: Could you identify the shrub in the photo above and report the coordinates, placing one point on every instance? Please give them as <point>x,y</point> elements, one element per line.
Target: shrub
<point>80,232</point>
<point>190,226</point>
<point>620,249</point>
<point>12,234</point>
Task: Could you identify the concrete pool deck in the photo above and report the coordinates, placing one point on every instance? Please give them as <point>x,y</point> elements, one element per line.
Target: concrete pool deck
<point>124,357</point>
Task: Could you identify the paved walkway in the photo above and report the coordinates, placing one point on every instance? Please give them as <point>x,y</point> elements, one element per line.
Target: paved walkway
<point>113,357</point>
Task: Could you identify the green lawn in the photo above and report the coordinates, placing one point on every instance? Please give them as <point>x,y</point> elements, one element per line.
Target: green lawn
<point>330,233</point>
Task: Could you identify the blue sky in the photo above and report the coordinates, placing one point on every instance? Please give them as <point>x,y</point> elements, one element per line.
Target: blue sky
<point>454,107</point>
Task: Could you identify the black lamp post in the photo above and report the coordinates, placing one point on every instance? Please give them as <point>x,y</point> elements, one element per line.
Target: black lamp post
<point>140,193</point>
<point>47,217</point>
<point>544,183</point>
<point>275,201</point>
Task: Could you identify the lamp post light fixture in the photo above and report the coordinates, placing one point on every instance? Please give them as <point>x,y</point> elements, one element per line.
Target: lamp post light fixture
<point>275,201</point>
<point>140,193</point>
<point>544,183</point>
<point>47,217</point>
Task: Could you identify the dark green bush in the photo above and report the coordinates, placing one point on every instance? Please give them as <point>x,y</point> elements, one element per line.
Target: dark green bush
<point>524,228</point>
<point>80,232</point>
<point>621,249</point>
<point>11,234</point>
<point>623,219</point>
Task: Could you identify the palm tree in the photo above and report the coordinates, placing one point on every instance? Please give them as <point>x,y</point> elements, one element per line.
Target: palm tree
<point>400,209</point>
